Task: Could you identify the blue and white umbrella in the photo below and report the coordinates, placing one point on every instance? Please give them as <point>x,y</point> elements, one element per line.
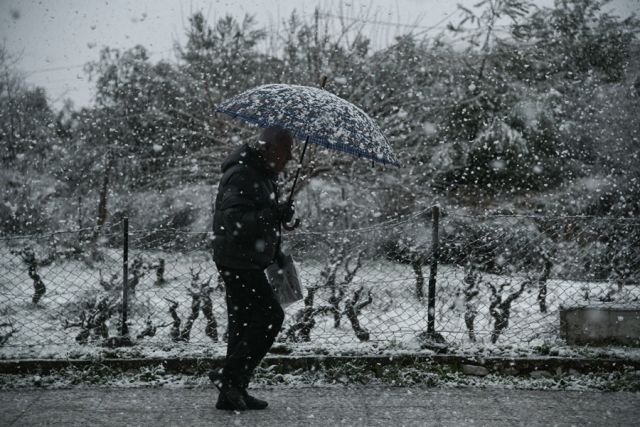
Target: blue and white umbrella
<point>313,115</point>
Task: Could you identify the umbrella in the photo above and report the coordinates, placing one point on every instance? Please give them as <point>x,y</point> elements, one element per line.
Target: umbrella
<point>314,115</point>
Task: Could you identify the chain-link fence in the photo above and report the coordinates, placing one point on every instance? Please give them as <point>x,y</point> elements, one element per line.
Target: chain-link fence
<point>493,279</point>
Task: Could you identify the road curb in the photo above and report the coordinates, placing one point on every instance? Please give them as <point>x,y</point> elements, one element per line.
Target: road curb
<point>282,364</point>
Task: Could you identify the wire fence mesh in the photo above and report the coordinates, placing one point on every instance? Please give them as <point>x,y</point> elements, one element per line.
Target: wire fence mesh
<point>499,280</point>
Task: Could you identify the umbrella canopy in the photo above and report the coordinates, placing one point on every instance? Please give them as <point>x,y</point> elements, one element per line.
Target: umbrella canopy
<point>314,115</point>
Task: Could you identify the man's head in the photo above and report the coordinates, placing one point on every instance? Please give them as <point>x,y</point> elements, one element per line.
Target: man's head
<point>276,145</point>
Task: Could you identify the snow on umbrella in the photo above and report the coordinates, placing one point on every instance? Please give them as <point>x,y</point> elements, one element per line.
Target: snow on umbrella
<point>313,115</point>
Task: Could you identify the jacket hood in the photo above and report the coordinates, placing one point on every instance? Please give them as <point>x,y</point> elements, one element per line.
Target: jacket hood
<point>247,156</point>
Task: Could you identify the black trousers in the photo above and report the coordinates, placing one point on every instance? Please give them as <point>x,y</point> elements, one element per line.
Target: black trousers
<point>255,318</point>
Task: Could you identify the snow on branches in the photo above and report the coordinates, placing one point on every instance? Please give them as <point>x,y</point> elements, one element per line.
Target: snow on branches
<point>200,293</point>
<point>337,274</point>
<point>28,257</point>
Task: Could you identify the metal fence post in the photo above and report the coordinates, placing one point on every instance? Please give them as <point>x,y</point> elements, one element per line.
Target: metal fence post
<point>431,300</point>
<point>430,338</point>
<point>124,331</point>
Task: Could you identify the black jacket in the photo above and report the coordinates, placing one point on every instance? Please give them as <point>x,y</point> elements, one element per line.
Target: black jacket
<point>245,221</point>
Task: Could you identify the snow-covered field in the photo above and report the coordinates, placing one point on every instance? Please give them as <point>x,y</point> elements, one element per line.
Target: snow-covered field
<point>394,318</point>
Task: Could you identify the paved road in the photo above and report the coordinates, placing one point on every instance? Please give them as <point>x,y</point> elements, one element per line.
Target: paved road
<point>319,406</point>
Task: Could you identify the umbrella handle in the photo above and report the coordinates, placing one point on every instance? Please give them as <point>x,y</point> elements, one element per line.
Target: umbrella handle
<point>292,226</point>
<point>296,223</point>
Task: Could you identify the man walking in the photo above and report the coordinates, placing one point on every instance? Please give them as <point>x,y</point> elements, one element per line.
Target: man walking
<point>247,224</point>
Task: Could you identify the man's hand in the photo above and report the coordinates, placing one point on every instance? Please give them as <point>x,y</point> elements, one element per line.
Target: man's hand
<point>285,211</point>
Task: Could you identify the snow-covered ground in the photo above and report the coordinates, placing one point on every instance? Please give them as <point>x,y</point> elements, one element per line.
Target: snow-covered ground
<point>394,318</point>
<point>422,375</point>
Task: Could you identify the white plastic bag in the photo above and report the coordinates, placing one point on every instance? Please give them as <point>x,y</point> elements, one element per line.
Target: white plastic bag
<point>284,281</point>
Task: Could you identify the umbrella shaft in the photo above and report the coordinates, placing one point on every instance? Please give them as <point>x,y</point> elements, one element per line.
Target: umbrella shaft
<point>295,180</point>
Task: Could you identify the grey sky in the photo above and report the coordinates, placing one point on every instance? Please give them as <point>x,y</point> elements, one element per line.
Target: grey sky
<point>56,37</point>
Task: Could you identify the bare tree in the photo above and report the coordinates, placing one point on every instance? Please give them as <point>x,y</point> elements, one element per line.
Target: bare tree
<point>174,333</point>
<point>500,309</point>
<point>159,267</point>
<point>200,300</point>
<point>211,328</point>
<point>9,331</point>
<point>338,258</point>
<point>542,281</point>
<point>300,331</point>
<point>471,290</point>
<point>138,270</point>
<point>29,258</point>
<point>149,330</point>
<point>305,318</point>
<point>92,320</point>
<point>352,309</point>
<point>414,256</point>
<point>195,307</point>
<point>329,273</point>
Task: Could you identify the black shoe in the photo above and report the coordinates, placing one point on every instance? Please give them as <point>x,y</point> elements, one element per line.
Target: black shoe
<point>253,402</point>
<point>231,398</point>
<point>223,404</point>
